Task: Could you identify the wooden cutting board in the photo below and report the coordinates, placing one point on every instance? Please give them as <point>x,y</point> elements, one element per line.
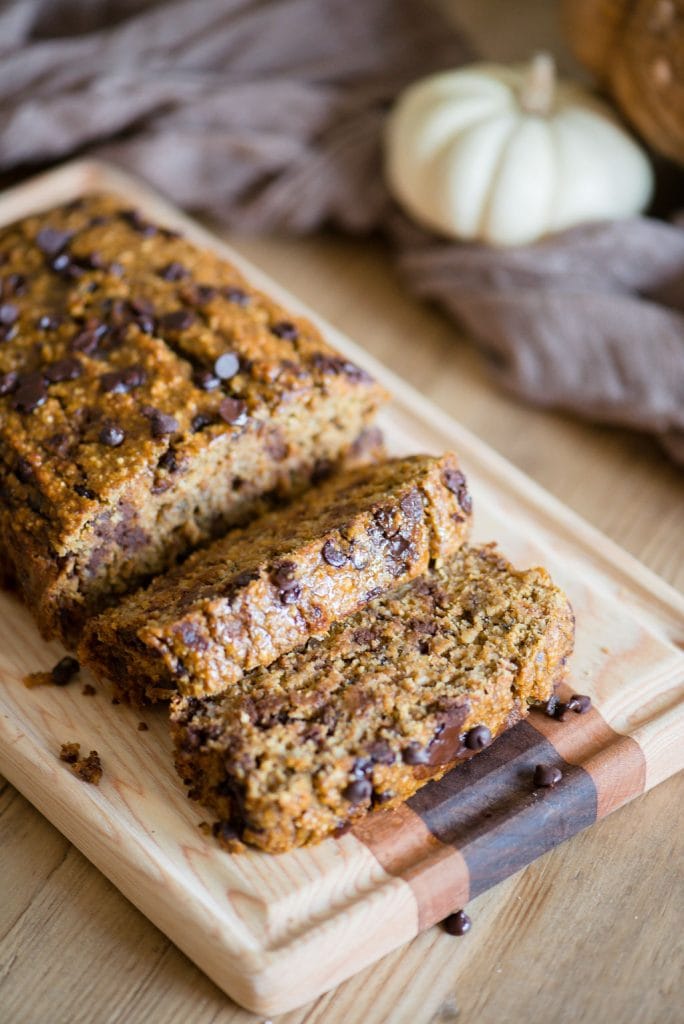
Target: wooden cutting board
<point>274,932</point>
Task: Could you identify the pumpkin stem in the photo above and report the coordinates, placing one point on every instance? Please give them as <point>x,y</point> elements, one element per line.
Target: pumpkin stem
<point>539,85</point>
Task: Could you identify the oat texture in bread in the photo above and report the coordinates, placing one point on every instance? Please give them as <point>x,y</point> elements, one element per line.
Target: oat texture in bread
<point>150,398</point>
<point>262,590</point>
<point>361,718</point>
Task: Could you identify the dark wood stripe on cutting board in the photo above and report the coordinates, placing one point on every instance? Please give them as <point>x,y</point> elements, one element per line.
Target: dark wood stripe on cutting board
<point>485,819</point>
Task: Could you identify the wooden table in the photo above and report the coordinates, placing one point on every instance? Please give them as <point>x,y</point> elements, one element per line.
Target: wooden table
<point>591,931</point>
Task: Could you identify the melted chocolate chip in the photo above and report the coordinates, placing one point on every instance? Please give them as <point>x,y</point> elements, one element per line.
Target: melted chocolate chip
<point>9,382</point>
<point>547,776</point>
<point>478,737</point>
<point>233,411</point>
<point>580,703</point>
<point>24,470</point>
<point>9,314</point>
<point>119,382</point>
<point>415,754</point>
<point>205,380</point>
<point>358,791</point>
<point>112,435</point>
<point>136,220</point>
<point>173,271</point>
<point>201,420</point>
<point>85,492</point>
<point>30,394</point>
<point>286,330</point>
<point>458,923</point>
<point>204,293</point>
<point>236,295</point>
<point>62,369</point>
<point>64,671</point>
<point>224,831</point>
<point>455,481</point>
<point>14,284</point>
<point>49,322</point>
<point>51,241</point>
<point>168,461</point>
<point>87,339</point>
<point>381,752</point>
<point>282,577</point>
<point>333,555</point>
<point>227,365</point>
<point>179,320</point>
<point>398,544</point>
<point>162,424</point>
<point>412,505</point>
<point>66,267</point>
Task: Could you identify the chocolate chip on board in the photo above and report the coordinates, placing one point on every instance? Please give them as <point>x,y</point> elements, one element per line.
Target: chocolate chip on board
<point>457,924</point>
<point>547,776</point>
<point>64,671</point>
<point>478,737</point>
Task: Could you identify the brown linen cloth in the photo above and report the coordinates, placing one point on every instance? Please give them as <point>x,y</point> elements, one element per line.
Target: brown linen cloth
<point>269,116</point>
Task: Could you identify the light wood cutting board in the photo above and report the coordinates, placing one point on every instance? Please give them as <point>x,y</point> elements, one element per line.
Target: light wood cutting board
<point>274,932</point>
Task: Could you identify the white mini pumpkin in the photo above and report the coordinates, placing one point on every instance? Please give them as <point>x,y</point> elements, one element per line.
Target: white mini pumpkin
<point>506,155</point>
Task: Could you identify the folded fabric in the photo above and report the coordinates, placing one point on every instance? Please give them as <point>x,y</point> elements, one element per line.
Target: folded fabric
<point>268,114</point>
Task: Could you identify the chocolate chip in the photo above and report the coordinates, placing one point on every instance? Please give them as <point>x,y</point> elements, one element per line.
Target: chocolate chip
<point>282,577</point>
<point>204,293</point>
<point>143,727</point>
<point>179,320</point>
<point>9,314</point>
<point>162,424</point>
<point>381,752</point>
<point>9,382</point>
<point>14,284</point>
<point>224,831</point>
<point>285,329</point>
<point>547,776</point>
<point>233,411</point>
<point>414,754</point>
<point>551,705</point>
<point>119,382</point>
<point>85,492</point>
<point>478,737</point>
<point>458,923</point>
<point>49,322</point>
<point>333,555</point>
<point>136,220</point>
<point>51,241</point>
<point>62,369</point>
<point>580,703</point>
<point>205,380</point>
<point>236,295</point>
<point>88,690</point>
<point>455,481</point>
<point>560,711</point>
<point>24,470</point>
<point>412,505</point>
<point>87,339</point>
<point>66,267</point>
<point>30,394</point>
<point>64,671</point>
<point>168,461</point>
<point>227,365</point>
<point>92,261</point>
<point>359,558</point>
<point>201,420</point>
<point>358,791</point>
<point>398,544</point>
<point>385,519</point>
<point>173,271</point>
<point>112,435</point>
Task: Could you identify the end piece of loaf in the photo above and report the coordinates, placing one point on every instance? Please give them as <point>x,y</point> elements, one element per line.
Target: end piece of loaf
<point>262,590</point>
<point>388,699</point>
<point>149,399</point>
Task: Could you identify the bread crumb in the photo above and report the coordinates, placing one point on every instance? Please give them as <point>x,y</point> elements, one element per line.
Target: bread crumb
<point>88,769</point>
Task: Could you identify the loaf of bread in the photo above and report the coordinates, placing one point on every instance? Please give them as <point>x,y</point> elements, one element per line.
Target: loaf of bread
<point>361,718</point>
<point>263,590</point>
<point>149,399</point>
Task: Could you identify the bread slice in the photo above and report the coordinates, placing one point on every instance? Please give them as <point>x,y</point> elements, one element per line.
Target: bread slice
<point>395,695</point>
<point>263,590</point>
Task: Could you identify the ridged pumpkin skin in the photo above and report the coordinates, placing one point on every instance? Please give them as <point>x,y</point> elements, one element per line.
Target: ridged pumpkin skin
<point>636,50</point>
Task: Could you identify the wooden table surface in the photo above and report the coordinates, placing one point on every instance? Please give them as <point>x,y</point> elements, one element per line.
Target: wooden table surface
<point>590,932</point>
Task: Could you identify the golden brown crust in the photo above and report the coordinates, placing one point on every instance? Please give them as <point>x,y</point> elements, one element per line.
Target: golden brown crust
<point>263,590</point>
<point>364,716</point>
<point>149,399</point>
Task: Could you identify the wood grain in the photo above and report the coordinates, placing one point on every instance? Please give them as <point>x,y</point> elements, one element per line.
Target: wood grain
<point>295,925</point>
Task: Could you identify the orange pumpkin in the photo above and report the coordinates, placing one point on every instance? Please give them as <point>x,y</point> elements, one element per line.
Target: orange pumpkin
<point>636,50</point>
